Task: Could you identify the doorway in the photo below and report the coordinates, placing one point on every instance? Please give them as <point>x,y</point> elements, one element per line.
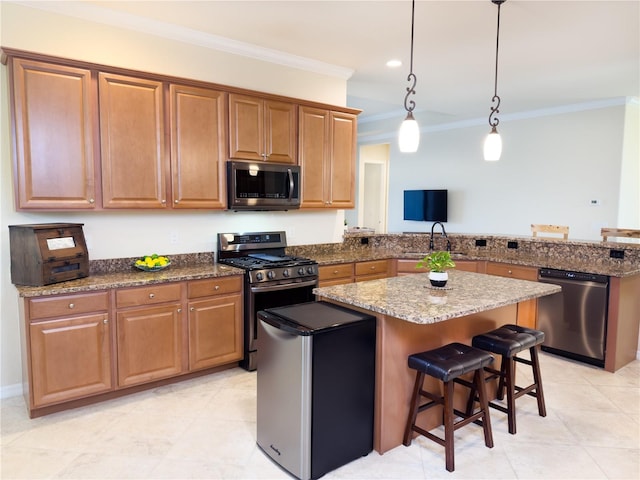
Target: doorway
<point>374,187</point>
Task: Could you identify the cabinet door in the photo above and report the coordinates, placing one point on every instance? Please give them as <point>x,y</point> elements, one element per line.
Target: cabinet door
<point>134,165</point>
<point>246,127</point>
<point>215,331</point>
<point>527,310</point>
<point>70,358</point>
<point>198,147</point>
<point>149,344</point>
<point>280,132</point>
<point>313,155</point>
<point>343,160</point>
<point>54,158</point>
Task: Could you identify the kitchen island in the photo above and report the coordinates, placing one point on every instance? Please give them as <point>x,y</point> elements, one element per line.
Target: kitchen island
<point>412,316</point>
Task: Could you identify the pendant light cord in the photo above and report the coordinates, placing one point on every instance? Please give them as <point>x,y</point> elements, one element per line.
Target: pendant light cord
<point>493,119</point>
<point>409,105</point>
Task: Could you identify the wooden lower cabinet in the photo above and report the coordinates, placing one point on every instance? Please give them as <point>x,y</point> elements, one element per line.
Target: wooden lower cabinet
<point>68,339</point>
<point>527,310</point>
<point>335,274</point>
<point>215,322</point>
<point>149,344</point>
<point>74,353</point>
<point>406,266</point>
<point>70,358</point>
<point>372,270</point>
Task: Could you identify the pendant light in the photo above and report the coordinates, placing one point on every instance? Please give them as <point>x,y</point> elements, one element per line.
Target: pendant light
<point>409,136</point>
<point>493,142</point>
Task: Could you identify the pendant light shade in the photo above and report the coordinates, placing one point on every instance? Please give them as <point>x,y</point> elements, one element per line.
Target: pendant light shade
<point>493,142</point>
<point>409,135</point>
<point>493,146</point>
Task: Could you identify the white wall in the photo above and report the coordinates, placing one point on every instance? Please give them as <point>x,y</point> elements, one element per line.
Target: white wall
<point>132,233</point>
<point>552,166</point>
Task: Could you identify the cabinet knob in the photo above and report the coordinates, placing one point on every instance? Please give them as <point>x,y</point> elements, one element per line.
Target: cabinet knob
<point>510,272</point>
<point>176,201</point>
<point>163,201</point>
<point>105,321</point>
<point>72,305</point>
<point>192,309</point>
<point>335,272</point>
<point>91,200</point>
<point>217,287</point>
<point>372,268</point>
<point>152,295</point>
<point>179,310</point>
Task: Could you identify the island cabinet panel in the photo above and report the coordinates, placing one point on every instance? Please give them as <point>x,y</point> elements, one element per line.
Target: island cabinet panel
<point>215,322</point>
<point>262,129</point>
<point>327,146</point>
<point>149,333</point>
<point>198,125</point>
<point>134,163</point>
<point>407,266</point>
<point>54,125</point>
<point>335,274</point>
<point>69,339</point>
<point>527,310</point>
<point>372,270</point>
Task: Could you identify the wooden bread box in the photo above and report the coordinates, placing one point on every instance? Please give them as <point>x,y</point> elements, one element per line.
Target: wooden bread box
<point>46,253</point>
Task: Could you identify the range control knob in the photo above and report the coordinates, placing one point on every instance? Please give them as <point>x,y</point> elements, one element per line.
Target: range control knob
<point>259,276</point>
<point>285,272</point>
<point>271,274</point>
<point>310,270</point>
<point>301,271</point>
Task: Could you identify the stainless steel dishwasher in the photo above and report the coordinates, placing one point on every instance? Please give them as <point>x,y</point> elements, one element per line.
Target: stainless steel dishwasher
<point>574,321</point>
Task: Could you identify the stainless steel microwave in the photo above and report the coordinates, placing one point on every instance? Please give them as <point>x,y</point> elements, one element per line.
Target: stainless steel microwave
<point>262,186</point>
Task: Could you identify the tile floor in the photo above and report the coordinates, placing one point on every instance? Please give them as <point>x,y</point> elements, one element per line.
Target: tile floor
<point>206,428</point>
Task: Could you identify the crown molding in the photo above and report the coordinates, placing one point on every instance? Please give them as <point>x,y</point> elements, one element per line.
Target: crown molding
<point>97,14</point>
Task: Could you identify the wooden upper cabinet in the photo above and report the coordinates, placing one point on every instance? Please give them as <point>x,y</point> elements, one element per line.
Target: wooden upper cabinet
<point>327,146</point>
<point>261,129</point>
<point>313,155</point>
<point>342,174</point>
<point>54,127</point>
<point>134,163</point>
<point>198,147</point>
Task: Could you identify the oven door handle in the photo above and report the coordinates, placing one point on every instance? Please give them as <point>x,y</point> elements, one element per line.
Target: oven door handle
<point>287,286</point>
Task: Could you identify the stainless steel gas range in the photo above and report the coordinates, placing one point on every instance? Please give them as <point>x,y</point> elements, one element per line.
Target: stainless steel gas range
<point>272,278</point>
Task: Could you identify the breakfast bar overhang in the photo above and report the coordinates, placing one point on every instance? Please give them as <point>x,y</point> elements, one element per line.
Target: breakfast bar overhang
<point>412,317</point>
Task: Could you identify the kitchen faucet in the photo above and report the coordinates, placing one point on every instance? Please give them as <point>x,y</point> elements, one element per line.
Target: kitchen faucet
<point>444,234</point>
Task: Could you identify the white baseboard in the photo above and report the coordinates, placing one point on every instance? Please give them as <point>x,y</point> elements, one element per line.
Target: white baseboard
<point>11,390</point>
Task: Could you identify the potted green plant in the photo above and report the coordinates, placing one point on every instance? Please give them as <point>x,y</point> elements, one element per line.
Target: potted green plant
<point>437,262</point>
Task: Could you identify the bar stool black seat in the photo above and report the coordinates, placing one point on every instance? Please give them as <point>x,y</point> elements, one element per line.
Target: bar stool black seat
<point>447,364</point>
<point>507,341</point>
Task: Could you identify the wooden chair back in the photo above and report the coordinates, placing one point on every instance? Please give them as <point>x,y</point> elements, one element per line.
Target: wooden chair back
<point>559,229</point>
<point>619,232</point>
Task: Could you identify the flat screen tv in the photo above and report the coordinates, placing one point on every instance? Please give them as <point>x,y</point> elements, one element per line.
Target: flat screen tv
<point>425,205</point>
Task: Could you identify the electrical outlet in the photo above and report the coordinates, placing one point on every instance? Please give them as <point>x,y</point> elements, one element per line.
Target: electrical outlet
<point>173,238</point>
<point>364,241</point>
<point>481,242</point>
<point>616,254</point>
<point>512,244</point>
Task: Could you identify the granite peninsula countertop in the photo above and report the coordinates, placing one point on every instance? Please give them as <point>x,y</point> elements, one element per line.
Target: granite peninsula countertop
<point>131,277</point>
<point>412,298</point>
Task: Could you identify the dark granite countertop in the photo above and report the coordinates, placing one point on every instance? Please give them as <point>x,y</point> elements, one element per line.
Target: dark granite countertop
<point>131,278</point>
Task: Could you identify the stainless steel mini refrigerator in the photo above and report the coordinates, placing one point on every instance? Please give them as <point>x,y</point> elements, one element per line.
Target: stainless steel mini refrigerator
<point>316,379</point>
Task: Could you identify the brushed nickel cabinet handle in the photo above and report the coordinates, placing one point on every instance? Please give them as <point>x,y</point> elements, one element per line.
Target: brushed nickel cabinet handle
<point>72,305</point>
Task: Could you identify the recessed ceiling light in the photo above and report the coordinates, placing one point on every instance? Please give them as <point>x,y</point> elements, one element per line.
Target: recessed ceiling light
<point>394,63</point>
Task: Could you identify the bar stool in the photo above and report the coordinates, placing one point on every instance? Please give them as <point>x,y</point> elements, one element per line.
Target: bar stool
<point>447,364</point>
<point>507,341</point>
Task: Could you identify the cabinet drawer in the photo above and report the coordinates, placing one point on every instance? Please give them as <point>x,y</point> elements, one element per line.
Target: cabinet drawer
<point>372,267</point>
<point>405,265</point>
<point>214,286</point>
<point>512,271</point>
<point>131,297</point>
<point>47,307</point>
<point>329,272</point>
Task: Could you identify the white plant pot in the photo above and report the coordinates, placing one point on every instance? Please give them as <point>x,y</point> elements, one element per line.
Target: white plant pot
<point>438,279</point>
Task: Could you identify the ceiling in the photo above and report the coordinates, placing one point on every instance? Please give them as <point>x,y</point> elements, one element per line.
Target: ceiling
<point>552,53</point>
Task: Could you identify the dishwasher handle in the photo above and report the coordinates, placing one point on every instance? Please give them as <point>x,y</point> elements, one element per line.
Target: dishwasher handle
<point>551,273</point>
